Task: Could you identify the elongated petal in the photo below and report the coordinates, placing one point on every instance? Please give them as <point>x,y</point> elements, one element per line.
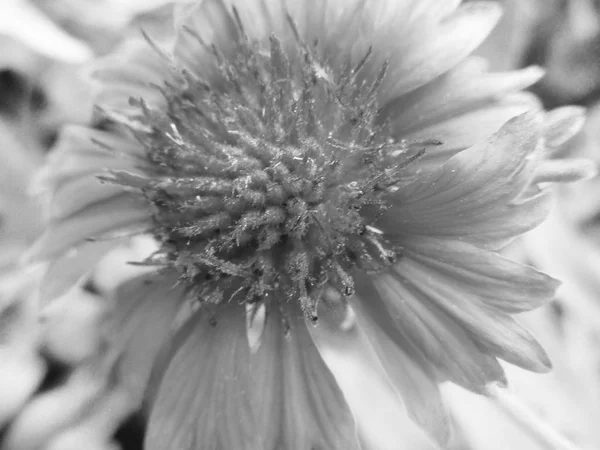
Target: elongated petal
<point>204,397</point>
<point>82,151</point>
<point>76,195</point>
<point>328,21</point>
<point>133,72</point>
<point>80,314</point>
<point>474,194</point>
<point>95,431</point>
<point>432,9</point>
<point>496,331</point>
<point>54,411</point>
<point>68,269</point>
<point>140,324</point>
<point>469,128</point>
<point>298,403</point>
<point>21,373</point>
<point>466,87</point>
<point>488,278</point>
<point>100,218</point>
<point>416,64</point>
<point>415,385</point>
<point>200,26</point>
<point>427,334</point>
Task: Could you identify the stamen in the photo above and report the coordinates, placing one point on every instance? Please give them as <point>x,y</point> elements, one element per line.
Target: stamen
<point>260,178</point>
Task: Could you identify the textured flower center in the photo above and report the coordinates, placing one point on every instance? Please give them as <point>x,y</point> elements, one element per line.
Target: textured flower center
<point>267,177</point>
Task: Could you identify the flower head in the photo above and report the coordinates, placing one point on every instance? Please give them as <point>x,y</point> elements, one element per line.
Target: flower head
<point>294,160</point>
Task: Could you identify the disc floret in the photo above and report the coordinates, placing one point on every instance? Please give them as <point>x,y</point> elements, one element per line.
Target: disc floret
<point>268,175</point>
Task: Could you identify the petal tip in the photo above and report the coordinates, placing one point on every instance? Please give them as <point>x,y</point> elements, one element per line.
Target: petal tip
<point>562,124</point>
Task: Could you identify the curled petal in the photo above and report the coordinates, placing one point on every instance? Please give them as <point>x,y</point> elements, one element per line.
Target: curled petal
<point>468,128</point>
<point>473,195</point>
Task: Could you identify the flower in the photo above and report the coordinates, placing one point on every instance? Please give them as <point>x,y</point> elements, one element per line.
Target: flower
<point>300,162</point>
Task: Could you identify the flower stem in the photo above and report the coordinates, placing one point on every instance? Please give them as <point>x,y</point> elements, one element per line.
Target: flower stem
<point>531,423</point>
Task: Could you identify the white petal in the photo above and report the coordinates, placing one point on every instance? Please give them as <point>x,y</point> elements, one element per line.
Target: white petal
<point>376,354</point>
<point>298,403</point>
<point>426,334</point>
<point>203,400</point>
<point>103,217</point>
<point>53,411</point>
<point>477,194</point>
<point>467,87</point>
<point>141,323</point>
<point>68,269</point>
<point>431,52</point>
<point>131,72</point>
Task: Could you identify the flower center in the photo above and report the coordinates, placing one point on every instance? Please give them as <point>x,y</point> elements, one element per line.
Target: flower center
<point>268,176</point>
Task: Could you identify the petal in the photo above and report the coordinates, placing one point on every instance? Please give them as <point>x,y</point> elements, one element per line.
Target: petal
<point>428,53</point>
<point>414,383</point>
<point>298,403</point>
<point>75,195</point>
<point>497,332</point>
<point>474,195</point>
<point>96,430</point>
<point>416,386</point>
<point>113,215</point>
<point>201,25</point>
<point>203,399</point>
<point>54,410</point>
<point>22,368</point>
<point>565,171</point>
<point>21,372</point>
<point>140,324</point>
<point>469,128</point>
<point>427,334</point>
<point>562,124</point>
<point>82,151</point>
<point>133,71</point>
<point>467,87</point>
<point>350,27</point>
<point>432,9</point>
<point>70,182</point>
<point>67,270</point>
<point>79,314</point>
<point>486,277</point>
<point>329,22</point>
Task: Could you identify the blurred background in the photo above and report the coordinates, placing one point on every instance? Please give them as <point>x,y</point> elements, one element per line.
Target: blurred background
<point>49,396</point>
